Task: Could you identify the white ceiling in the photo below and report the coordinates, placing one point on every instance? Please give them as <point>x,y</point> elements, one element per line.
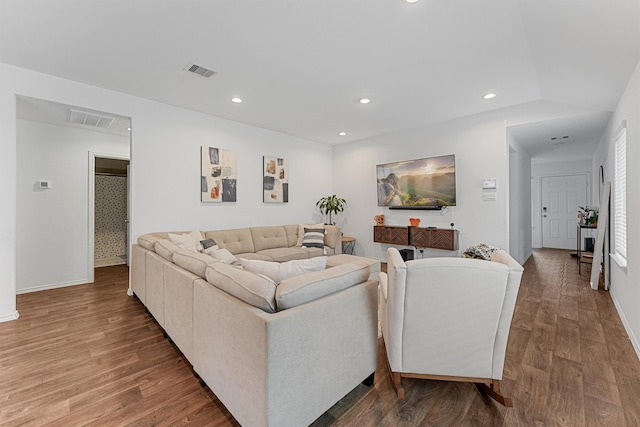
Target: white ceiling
<point>302,66</point>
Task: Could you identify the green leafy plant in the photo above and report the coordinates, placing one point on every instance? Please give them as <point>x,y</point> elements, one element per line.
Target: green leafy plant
<point>331,205</point>
<point>588,215</point>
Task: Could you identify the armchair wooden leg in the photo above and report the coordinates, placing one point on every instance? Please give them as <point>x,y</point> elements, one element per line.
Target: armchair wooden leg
<point>396,380</point>
<point>493,390</point>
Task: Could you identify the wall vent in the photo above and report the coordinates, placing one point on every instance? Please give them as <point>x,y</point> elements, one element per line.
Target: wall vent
<point>86,118</point>
<point>199,70</point>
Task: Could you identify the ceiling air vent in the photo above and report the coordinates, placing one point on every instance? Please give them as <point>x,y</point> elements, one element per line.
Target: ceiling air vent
<point>201,71</point>
<point>86,118</point>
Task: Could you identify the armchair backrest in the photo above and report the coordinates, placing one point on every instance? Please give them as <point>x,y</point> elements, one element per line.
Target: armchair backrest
<point>448,316</point>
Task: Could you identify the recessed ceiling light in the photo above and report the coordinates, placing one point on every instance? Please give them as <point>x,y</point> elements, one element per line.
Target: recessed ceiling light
<point>342,134</point>
<point>364,100</point>
<point>236,100</point>
<point>489,96</point>
<point>411,1</point>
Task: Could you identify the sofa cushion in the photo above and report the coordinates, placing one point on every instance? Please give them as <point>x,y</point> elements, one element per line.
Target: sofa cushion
<point>258,291</point>
<point>333,238</point>
<point>190,241</point>
<point>301,289</point>
<point>191,261</point>
<point>285,254</point>
<point>165,248</point>
<point>237,241</point>
<point>148,241</point>
<point>340,259</point>
<point>268,238</point>
<point>292,234</point>
<point>280,271</point>
<point>314,252</point>
<point>251,255</point>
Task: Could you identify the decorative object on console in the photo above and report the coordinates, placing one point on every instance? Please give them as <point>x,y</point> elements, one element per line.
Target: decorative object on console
<point>415,222</point>
<point>275,180</point>
<point>331,205</point>
<point>379,219</point>
<point>218,170</point>
<point>428,183</point>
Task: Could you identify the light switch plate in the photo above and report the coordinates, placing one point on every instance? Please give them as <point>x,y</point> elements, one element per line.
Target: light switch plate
<point>44,184</point>
<point>489,184</point>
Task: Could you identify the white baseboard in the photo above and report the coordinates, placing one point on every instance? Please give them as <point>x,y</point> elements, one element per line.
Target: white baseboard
<point>9,317</point>
<point>625,323</point>
<point>51,286</point>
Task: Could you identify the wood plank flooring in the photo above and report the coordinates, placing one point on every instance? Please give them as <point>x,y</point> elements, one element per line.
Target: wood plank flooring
<point>90,355</point>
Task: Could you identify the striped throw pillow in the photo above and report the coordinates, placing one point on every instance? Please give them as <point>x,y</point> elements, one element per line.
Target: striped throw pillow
<point>313,238</point>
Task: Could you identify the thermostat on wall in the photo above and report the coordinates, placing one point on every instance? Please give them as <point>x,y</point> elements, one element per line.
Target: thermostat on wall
<point>44,184</point>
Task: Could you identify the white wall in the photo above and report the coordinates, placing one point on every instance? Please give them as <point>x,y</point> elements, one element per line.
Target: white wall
<point>625,282</point>
<point>539,170</point>
<point>519,201</point>
<point>479,144</point>
<point>52,225</point>
<point>165,166</point>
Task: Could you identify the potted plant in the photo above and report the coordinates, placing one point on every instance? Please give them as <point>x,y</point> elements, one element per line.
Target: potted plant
<point>331,205</point>
<point>587,215</point>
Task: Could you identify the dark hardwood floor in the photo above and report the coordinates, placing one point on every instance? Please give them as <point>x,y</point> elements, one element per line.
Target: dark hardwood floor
<point>90,355</point>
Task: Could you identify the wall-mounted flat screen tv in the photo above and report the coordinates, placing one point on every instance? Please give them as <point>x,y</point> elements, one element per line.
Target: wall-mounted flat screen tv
<point>418,184</point>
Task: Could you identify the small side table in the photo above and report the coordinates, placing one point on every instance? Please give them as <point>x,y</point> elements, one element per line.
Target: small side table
<point>348,245</point>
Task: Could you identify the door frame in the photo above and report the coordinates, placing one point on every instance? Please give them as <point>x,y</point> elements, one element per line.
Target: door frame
<point>540,229</point>
<point>91,220</point>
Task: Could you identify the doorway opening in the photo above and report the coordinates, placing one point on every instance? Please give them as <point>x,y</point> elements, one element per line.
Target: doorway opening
<point>110,212</point>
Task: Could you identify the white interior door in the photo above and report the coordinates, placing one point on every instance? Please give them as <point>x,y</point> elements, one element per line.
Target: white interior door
<point>560,197</point>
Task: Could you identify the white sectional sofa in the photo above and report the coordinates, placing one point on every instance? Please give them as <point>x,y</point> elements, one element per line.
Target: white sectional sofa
<point>274,354</point>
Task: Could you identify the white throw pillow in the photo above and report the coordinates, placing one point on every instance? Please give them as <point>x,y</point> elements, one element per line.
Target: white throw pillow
<point>223,255</point>
<point>189,241</point>
<point>210,250</point>
<point>301,228</point>
<point>281,271</point>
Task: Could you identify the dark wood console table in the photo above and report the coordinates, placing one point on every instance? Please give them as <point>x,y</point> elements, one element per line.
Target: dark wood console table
<point>420,237</point>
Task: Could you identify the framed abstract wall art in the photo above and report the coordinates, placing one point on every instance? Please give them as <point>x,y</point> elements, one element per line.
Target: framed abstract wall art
<point>218,179</point>
<point>275,180</point>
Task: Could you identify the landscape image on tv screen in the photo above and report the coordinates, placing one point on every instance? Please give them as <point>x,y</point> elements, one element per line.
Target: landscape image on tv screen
<point>418,183</point>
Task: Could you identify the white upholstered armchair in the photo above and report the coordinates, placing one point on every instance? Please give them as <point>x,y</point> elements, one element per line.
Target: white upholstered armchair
<point>448,318</point>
